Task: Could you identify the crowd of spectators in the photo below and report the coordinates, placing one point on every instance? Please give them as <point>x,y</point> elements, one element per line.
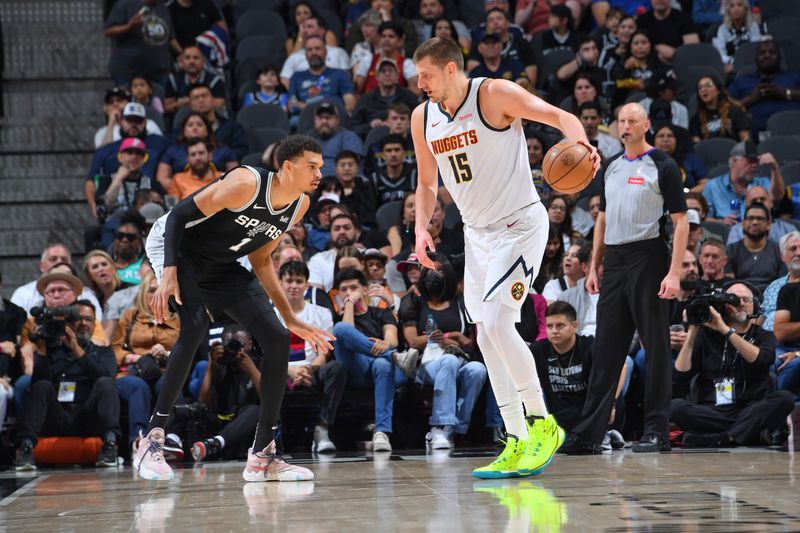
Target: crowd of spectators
<point>196,92</point>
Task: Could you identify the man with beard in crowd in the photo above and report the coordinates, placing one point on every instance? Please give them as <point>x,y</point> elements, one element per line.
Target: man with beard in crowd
<point>333,138</point>
<point>228,132</point>
<point>320,266</point>
<point>106,160</point>
<point>755,258</point>
<point>200,173</point>
<point>320,81</point>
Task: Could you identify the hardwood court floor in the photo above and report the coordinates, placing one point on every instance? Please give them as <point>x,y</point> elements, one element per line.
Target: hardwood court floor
<point>739,491</point>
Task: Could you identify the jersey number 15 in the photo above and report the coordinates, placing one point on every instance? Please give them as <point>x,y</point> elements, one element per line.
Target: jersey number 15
<point>461,169</point>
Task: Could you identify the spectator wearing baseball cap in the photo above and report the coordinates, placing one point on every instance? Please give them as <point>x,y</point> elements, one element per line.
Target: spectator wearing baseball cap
<point>723,192</point>
<point>373,106</point>
<point>492,64</point>
<point>117,191</point>
<point>332,136</point>
<point>663,86</point>
<point>117,106</point>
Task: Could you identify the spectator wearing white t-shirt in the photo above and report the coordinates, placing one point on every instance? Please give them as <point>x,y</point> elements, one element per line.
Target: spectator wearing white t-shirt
<point>309,367</point>
<point>335,56</point>
<point>575,265</point>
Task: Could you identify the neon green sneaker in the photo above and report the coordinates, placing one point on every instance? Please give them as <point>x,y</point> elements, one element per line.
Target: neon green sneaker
<point>506,463</point>
<point>545,437</point>
<point>530,506</point>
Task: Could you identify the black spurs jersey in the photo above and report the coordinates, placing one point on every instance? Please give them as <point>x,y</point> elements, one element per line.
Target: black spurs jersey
<point>232,233</point>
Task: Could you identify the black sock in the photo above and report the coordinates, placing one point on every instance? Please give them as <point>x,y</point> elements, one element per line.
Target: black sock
<point>110,437</point>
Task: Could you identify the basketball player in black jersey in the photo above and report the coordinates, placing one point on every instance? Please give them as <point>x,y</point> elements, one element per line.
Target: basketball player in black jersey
<point>194,251</point>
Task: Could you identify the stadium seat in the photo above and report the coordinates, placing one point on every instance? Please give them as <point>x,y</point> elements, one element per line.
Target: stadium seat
<point>776,9</point>
<point>713,152</point>
<point>375,135</point>
<point>717,227</point>
<point>253,159</point>
<point>718,171</point>
<point>784,123</point>
<point>247,86</point>
<point>68,450</point>
<point>784,28</point>
<point>261,22</point>
<point>784,148</point>
<point>247,70</point>
<point>263,116</point>
<point>245,6</point>
<point>306,119</point>
<point>388,214</point>
<point>268,48</point>
<point>334,23</point>
<point>550,65</point>
<point>261,137</point>
<point>791,173</point>
<point>744,60</point>
<point>694,55</point>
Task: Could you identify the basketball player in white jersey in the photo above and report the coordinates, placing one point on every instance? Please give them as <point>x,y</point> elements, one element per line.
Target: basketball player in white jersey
<point>471,131</point>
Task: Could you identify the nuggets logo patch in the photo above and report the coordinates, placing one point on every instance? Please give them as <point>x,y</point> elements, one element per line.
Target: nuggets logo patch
<point>517,291</point>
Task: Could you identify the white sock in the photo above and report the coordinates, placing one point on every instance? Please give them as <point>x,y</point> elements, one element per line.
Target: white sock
<point>221,440</point>
<point>508,399</point>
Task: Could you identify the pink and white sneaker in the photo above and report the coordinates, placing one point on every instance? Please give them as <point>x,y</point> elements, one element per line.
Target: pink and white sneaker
<point>148,460</point>
<point>268,465</point>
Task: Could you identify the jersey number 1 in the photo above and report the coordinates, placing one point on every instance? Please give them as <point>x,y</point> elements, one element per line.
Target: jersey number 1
<point>461,169</point>
<point>236,247</point>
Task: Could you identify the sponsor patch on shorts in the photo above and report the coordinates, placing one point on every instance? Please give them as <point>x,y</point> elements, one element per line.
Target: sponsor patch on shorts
<point>517,291</point>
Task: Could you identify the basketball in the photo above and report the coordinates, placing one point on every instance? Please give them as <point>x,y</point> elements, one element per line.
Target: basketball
<point>567,167</point>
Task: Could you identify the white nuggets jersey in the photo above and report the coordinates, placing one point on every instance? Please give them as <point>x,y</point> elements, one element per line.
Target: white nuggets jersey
<point>485,169</point>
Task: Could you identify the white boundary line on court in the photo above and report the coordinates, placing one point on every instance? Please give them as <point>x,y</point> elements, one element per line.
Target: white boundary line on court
<point>21,491</point>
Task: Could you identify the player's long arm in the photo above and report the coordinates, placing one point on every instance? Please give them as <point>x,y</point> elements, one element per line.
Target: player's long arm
<point>232,192</point>
<point>427,175</point>
<point>264,270</point>
<point>514,101</point>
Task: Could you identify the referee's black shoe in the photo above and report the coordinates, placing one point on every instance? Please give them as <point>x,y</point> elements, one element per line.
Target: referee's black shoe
<point>577,445</point>
<point>651,442</point>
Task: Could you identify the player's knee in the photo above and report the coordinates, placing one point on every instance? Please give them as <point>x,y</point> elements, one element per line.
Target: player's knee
<point>194,319</point>
<point>474,371</point>
<point>381,367</point>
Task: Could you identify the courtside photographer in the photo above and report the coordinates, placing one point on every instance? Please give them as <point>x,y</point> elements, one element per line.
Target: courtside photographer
<point>735,402</point>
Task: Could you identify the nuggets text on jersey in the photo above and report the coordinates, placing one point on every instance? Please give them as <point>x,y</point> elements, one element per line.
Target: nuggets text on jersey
<point>454,142</point>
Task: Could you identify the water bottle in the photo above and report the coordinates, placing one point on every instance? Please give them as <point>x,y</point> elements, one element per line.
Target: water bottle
<point>430,327</point>
<point>736,206</point>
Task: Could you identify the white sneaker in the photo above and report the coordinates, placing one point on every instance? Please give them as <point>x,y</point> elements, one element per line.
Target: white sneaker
<point>380,442</point>
<point>439,440</point>
<point>322,443</point>
<point>407,361</point>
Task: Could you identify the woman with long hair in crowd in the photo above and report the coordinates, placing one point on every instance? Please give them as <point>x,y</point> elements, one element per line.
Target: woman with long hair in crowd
<point>640,63</point>
<point>300,12</point>
<point>674,141</point>
<point>102,277</point>
<point>551,261</point>
<point>401,235</point>
<point>435,323</point>
<point>738,27</point>
<point>616,48</point>
<point>175,159</point>
<point>559,215</point>
<point>718,115</point>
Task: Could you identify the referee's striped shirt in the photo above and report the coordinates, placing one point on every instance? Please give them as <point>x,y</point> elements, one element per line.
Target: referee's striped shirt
<point>637,195</point>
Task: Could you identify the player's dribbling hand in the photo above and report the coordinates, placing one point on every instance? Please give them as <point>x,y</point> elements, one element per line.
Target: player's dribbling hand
<point>159,302</point>
<point>316,337</point>
<point>424,243</point>
<point>670,286</point>
<point>594,155</point>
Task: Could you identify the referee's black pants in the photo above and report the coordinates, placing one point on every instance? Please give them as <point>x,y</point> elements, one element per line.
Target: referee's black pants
<point>632,275</point>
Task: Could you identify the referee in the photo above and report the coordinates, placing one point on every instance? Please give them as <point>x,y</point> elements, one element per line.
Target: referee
<point>639,187</point>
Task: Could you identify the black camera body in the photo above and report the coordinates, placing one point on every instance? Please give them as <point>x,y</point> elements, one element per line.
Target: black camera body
<point>229,352</point>
<point>52,322</point>
<point>698,310</point>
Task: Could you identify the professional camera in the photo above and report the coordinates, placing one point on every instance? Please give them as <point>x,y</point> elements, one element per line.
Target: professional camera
<point>230,351</point>
<point>698,310</point>
<point>52,322</point>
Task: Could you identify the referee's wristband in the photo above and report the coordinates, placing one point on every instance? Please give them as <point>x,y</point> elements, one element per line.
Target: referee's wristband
<point>729,334</point>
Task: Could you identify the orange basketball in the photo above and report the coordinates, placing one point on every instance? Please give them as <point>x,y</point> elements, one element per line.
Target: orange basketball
<point>567,167</point>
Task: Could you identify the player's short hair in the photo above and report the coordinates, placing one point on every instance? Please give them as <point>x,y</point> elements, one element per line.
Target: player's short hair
<point>294,146</point>
<point>441,52</point>
<point>198,140</point>
<point>347,154</point>
<point>195,86</point>
<point>348,274</point>
<point>762,207</point>
<point>562,308</point>
<point>590,105</point>
<point>294,268</point>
